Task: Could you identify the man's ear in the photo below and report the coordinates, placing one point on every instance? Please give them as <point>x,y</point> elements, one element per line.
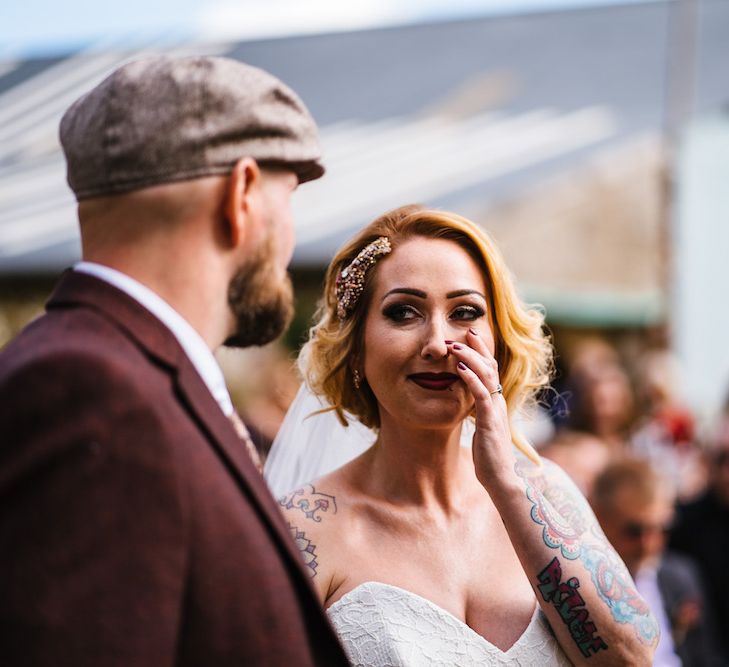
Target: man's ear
<point>241,198</point>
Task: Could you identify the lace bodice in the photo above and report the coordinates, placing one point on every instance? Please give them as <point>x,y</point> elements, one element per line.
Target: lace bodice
<point>385,626</point>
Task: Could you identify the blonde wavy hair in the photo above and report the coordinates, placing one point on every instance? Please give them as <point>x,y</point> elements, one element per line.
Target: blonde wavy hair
<point>523,350</point>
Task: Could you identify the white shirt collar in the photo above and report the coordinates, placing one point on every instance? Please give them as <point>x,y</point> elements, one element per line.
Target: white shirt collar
<point>190,340</point>
<point>646,582</point>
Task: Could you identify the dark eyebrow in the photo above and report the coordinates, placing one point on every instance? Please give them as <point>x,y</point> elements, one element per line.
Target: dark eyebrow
<point>464,292</point>
<point>423,295</point>
<point>406,290</point>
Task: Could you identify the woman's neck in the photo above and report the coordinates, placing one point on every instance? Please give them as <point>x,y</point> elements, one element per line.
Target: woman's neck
<point>419,467</point>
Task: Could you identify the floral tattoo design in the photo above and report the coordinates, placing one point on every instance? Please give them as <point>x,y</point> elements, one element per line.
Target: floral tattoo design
<point>307,549</point>
<point>566,525</point>
<point>310,501</point>
<point>555,510</point>
<point>312,504</point>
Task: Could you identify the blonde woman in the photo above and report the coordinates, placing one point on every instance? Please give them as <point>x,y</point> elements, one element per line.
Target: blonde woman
<point>425,552</point>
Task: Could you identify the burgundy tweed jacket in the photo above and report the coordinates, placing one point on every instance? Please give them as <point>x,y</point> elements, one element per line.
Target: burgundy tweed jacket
<point>134,530</point>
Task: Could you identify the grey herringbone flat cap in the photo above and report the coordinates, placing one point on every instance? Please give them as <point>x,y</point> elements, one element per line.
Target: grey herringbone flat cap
<point>166,119</point>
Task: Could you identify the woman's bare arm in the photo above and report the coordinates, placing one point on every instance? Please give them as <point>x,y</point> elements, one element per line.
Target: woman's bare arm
<point>581,584</point>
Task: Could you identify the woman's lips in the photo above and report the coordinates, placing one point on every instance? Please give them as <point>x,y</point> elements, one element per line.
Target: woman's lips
<point>434,381</point>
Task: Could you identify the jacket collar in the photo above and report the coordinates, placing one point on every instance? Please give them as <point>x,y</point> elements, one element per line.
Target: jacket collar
<point>77,289</point>
<point>80,289</point>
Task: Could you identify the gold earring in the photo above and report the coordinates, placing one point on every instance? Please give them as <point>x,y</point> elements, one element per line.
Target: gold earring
<point>356,379</point>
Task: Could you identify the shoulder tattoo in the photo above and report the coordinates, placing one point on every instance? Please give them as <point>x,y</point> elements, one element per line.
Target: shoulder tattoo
<point>307,549</point>
<point>310,502</point>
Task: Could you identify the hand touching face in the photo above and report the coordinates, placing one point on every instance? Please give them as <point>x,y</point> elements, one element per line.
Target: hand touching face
<point>427,292</point>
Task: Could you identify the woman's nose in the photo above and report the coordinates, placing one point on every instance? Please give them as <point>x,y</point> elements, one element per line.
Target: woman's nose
<point>434,345</point>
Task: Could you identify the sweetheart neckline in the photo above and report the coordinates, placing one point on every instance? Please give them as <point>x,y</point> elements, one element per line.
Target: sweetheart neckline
<point>442,611</point>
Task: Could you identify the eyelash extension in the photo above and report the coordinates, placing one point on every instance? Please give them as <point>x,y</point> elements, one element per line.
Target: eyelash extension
<point>475,311</point>
<point>397,310</point>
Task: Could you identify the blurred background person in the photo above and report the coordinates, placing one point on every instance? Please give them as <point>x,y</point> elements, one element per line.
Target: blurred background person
<point>702,532</point>
<point>665,428</point>
<point>633,408</point>
<point>599,395</point>
<point>657,380</point>
<point>635,507</point>
<point>583,456</point>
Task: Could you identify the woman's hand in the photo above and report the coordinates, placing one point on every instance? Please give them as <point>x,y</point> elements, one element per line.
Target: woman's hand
<point>583,587</point>
<point>493,454</point>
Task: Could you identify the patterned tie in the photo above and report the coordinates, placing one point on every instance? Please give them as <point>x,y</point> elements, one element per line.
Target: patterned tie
<point>242,431</point>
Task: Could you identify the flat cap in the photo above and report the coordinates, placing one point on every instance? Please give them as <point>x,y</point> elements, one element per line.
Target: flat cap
<point>164,119</point>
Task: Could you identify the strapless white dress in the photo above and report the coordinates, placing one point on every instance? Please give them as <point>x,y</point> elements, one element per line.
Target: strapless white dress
<point>381,625</point>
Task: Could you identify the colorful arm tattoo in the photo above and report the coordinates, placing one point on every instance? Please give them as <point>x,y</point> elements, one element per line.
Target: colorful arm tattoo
<point>309,501</point>
<point>307,548</point>
<point>571,607</point>
<point>570,526</point>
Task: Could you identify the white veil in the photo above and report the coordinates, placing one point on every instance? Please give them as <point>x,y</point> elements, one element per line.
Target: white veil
<point>309,445</point>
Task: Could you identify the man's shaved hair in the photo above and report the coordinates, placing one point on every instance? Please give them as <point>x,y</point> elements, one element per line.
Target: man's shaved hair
<point>638,476</point>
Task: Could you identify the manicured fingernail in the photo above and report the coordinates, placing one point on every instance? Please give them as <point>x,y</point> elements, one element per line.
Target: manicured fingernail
<point>456,346</point>
<point>473,331</point>
<point>449,342</point>
<point>461,365</point>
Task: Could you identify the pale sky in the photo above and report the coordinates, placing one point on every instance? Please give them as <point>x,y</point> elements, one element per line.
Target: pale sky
<point>42,27</point>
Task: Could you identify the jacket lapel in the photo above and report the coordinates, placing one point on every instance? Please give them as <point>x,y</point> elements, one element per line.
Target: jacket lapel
<point>76,288</point>
<point>226,442</point>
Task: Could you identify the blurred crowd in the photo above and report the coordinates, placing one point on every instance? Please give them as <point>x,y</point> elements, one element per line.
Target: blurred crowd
<point>659,486</point>
<point>658,483</point>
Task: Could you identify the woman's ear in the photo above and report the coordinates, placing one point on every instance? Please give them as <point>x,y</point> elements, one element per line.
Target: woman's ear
<point>241,199</point>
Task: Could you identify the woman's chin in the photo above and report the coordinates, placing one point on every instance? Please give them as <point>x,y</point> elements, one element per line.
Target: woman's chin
<point>430,410</point>
<point>438,418</point>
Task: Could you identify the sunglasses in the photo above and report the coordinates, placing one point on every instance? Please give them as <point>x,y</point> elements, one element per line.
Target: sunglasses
<point>634,530</point>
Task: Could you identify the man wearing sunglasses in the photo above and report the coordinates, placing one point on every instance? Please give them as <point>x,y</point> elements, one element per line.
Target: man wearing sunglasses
<point>635,507</point>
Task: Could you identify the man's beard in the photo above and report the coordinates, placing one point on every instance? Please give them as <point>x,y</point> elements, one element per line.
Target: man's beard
<point>261,298</point>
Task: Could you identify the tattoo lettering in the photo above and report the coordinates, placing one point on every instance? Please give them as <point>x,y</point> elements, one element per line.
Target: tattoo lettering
<point>566,525</point>
<point>307,548</point>
<point>571,608</point>
<point>309,501</point>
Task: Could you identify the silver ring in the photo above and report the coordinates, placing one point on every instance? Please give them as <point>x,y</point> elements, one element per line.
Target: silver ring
<point>499,389</point>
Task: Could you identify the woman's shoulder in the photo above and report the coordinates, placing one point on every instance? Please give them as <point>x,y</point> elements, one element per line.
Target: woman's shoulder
<point>315,503</point>
<point>315,513</point>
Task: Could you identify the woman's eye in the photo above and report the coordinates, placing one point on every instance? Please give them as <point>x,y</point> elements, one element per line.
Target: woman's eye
<point>400,312</point>
<point>467,313</point>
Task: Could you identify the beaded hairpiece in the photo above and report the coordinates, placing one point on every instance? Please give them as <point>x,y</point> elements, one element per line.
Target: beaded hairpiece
<point>350,281</point>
